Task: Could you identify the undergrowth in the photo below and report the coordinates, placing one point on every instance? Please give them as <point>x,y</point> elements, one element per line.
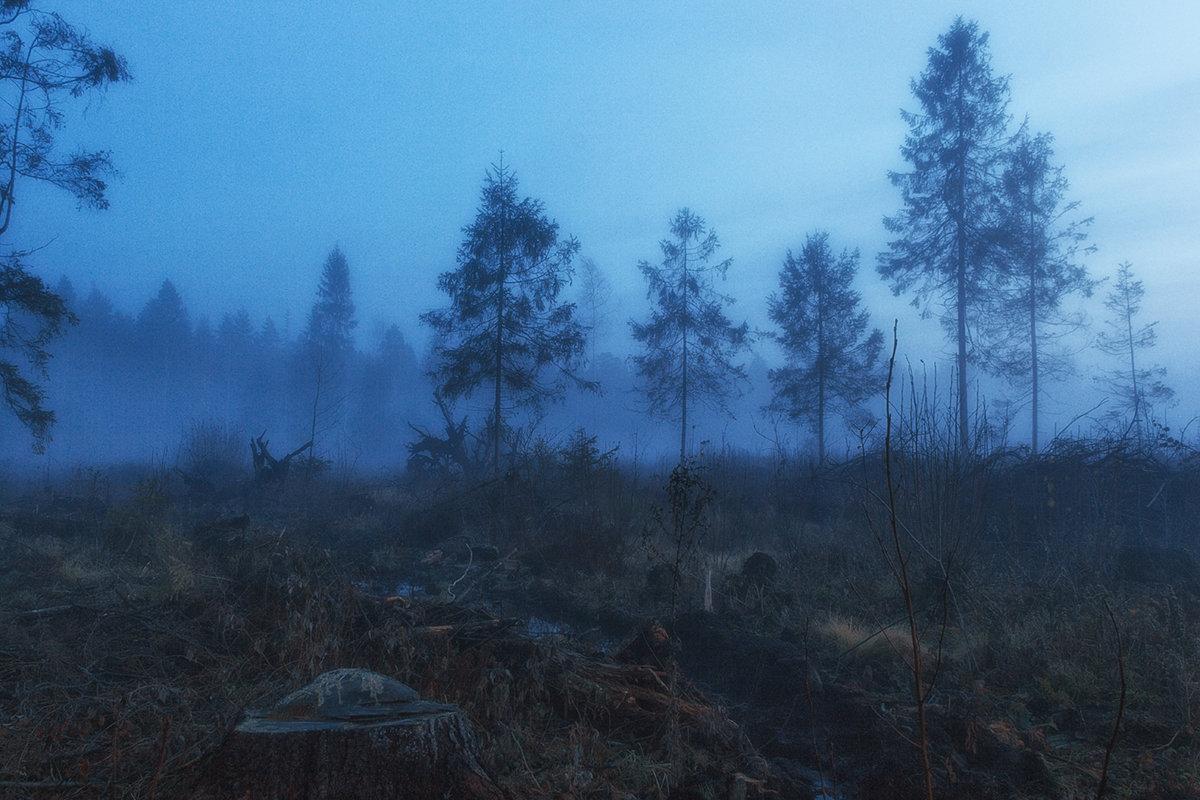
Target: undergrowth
<point>137,630</point>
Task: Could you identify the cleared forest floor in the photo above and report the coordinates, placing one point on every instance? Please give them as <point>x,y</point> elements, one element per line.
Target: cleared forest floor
<point>601,650</point>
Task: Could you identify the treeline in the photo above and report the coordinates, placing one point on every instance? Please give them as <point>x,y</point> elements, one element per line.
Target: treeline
<point>130,385</point>
<point>985,240</point>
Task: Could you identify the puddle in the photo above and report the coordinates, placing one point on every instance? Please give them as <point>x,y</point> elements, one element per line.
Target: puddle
<point>539,628</point>
<point>405,589</point>
<point>823,787</point>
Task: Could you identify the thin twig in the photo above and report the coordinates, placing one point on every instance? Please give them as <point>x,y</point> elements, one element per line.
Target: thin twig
<point>900,569</point>
<point>1112,743</point>
<point>470,561</point>
<point>41,612</point>
<point>162,757</point>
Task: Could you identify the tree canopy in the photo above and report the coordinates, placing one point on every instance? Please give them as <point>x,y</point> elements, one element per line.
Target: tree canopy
<point>1039,244</point>
<point>1133,387</point>
<point>831,358</point>
<point>43,61</point>
<point>328,345</point>
<point>331,321</point>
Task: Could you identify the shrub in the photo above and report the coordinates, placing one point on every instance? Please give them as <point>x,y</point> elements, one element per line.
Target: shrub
<point>212,456</point>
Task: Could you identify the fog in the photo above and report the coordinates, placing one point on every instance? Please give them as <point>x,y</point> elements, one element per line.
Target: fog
<point>252,143</point>
<point>670,399</point>
<point>137,384</point>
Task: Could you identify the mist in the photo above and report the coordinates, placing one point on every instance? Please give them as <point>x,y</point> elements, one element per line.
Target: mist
<point>627,400</point>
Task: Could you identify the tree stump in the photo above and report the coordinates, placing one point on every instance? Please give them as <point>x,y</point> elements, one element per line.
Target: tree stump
<point>352,733</point>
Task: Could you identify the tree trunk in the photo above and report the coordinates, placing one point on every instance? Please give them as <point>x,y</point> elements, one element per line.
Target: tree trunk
<point>1133,375</point>
<point>961,270</point>
<point>821,364</point>
<point>1033,354</point>
<point>964,422</point>
<point>683,423</point>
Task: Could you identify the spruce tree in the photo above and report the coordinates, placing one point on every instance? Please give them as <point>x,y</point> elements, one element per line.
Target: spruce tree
<point>831,357</point>
<point>945,250</point>
<point>1133,387</point>
<point>688,343</point>
<point>1040,242</point>
<point>328,345</point>
<point>44,60</point>
<point>506,328</point>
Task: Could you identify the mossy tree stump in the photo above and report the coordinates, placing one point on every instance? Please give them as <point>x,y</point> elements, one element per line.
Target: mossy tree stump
<point>352,734</point>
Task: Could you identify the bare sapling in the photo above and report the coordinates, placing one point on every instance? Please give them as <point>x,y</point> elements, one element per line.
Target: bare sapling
<point>891,544</point>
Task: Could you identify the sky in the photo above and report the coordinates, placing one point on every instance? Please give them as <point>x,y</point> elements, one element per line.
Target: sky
<point>257,136</point>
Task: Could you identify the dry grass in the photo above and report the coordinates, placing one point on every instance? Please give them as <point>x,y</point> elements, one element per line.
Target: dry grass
<point>122,671</point>
<point>857,641</point>
<point>152,628</point>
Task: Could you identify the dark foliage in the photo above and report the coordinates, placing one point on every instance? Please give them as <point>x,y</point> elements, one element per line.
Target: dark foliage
<point>327,349</point>
<point>331,321</point>
<point>43,60</point>
<point>34,315</point>
<point>1040,243</point>
<point>945,246</point>
<point>1133,387</point>
<point>152,377</point>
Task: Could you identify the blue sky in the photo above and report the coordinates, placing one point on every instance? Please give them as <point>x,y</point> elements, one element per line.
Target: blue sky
<point>256,136</point>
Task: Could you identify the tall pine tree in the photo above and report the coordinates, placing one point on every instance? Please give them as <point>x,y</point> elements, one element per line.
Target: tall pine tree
<point>44,60</point>
<point>688,343</point>
<point>1040,242</point>
<point>331,321</point>
<point>945,250</point>
<point>328,344</point>
<point>1133,386</point>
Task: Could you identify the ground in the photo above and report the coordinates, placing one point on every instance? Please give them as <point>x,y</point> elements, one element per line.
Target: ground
<point>600,649</point>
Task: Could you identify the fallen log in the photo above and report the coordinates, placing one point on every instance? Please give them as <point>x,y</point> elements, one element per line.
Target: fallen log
<point>646,699</point>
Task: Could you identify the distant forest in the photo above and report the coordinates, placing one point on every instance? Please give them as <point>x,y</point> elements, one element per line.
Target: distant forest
<point>128,386</point>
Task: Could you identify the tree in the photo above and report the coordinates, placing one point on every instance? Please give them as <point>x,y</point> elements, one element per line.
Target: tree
<point>689,343</point>
<point>267,385</point>
<point>945,250</point>
<point>506,328</point>
<point>328,342</point>
<point>106,334</point>
<point>331,321</point>
<point>235,336</point>
<point>595,293</point>
<point>1134,388</point>
<point>831,359</point>
<point>1039,242</point>
<point>232,363</point>
<point>164,334</point>
<point>43,59</point>
<point>388,374</point>
<point>33,315</point>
